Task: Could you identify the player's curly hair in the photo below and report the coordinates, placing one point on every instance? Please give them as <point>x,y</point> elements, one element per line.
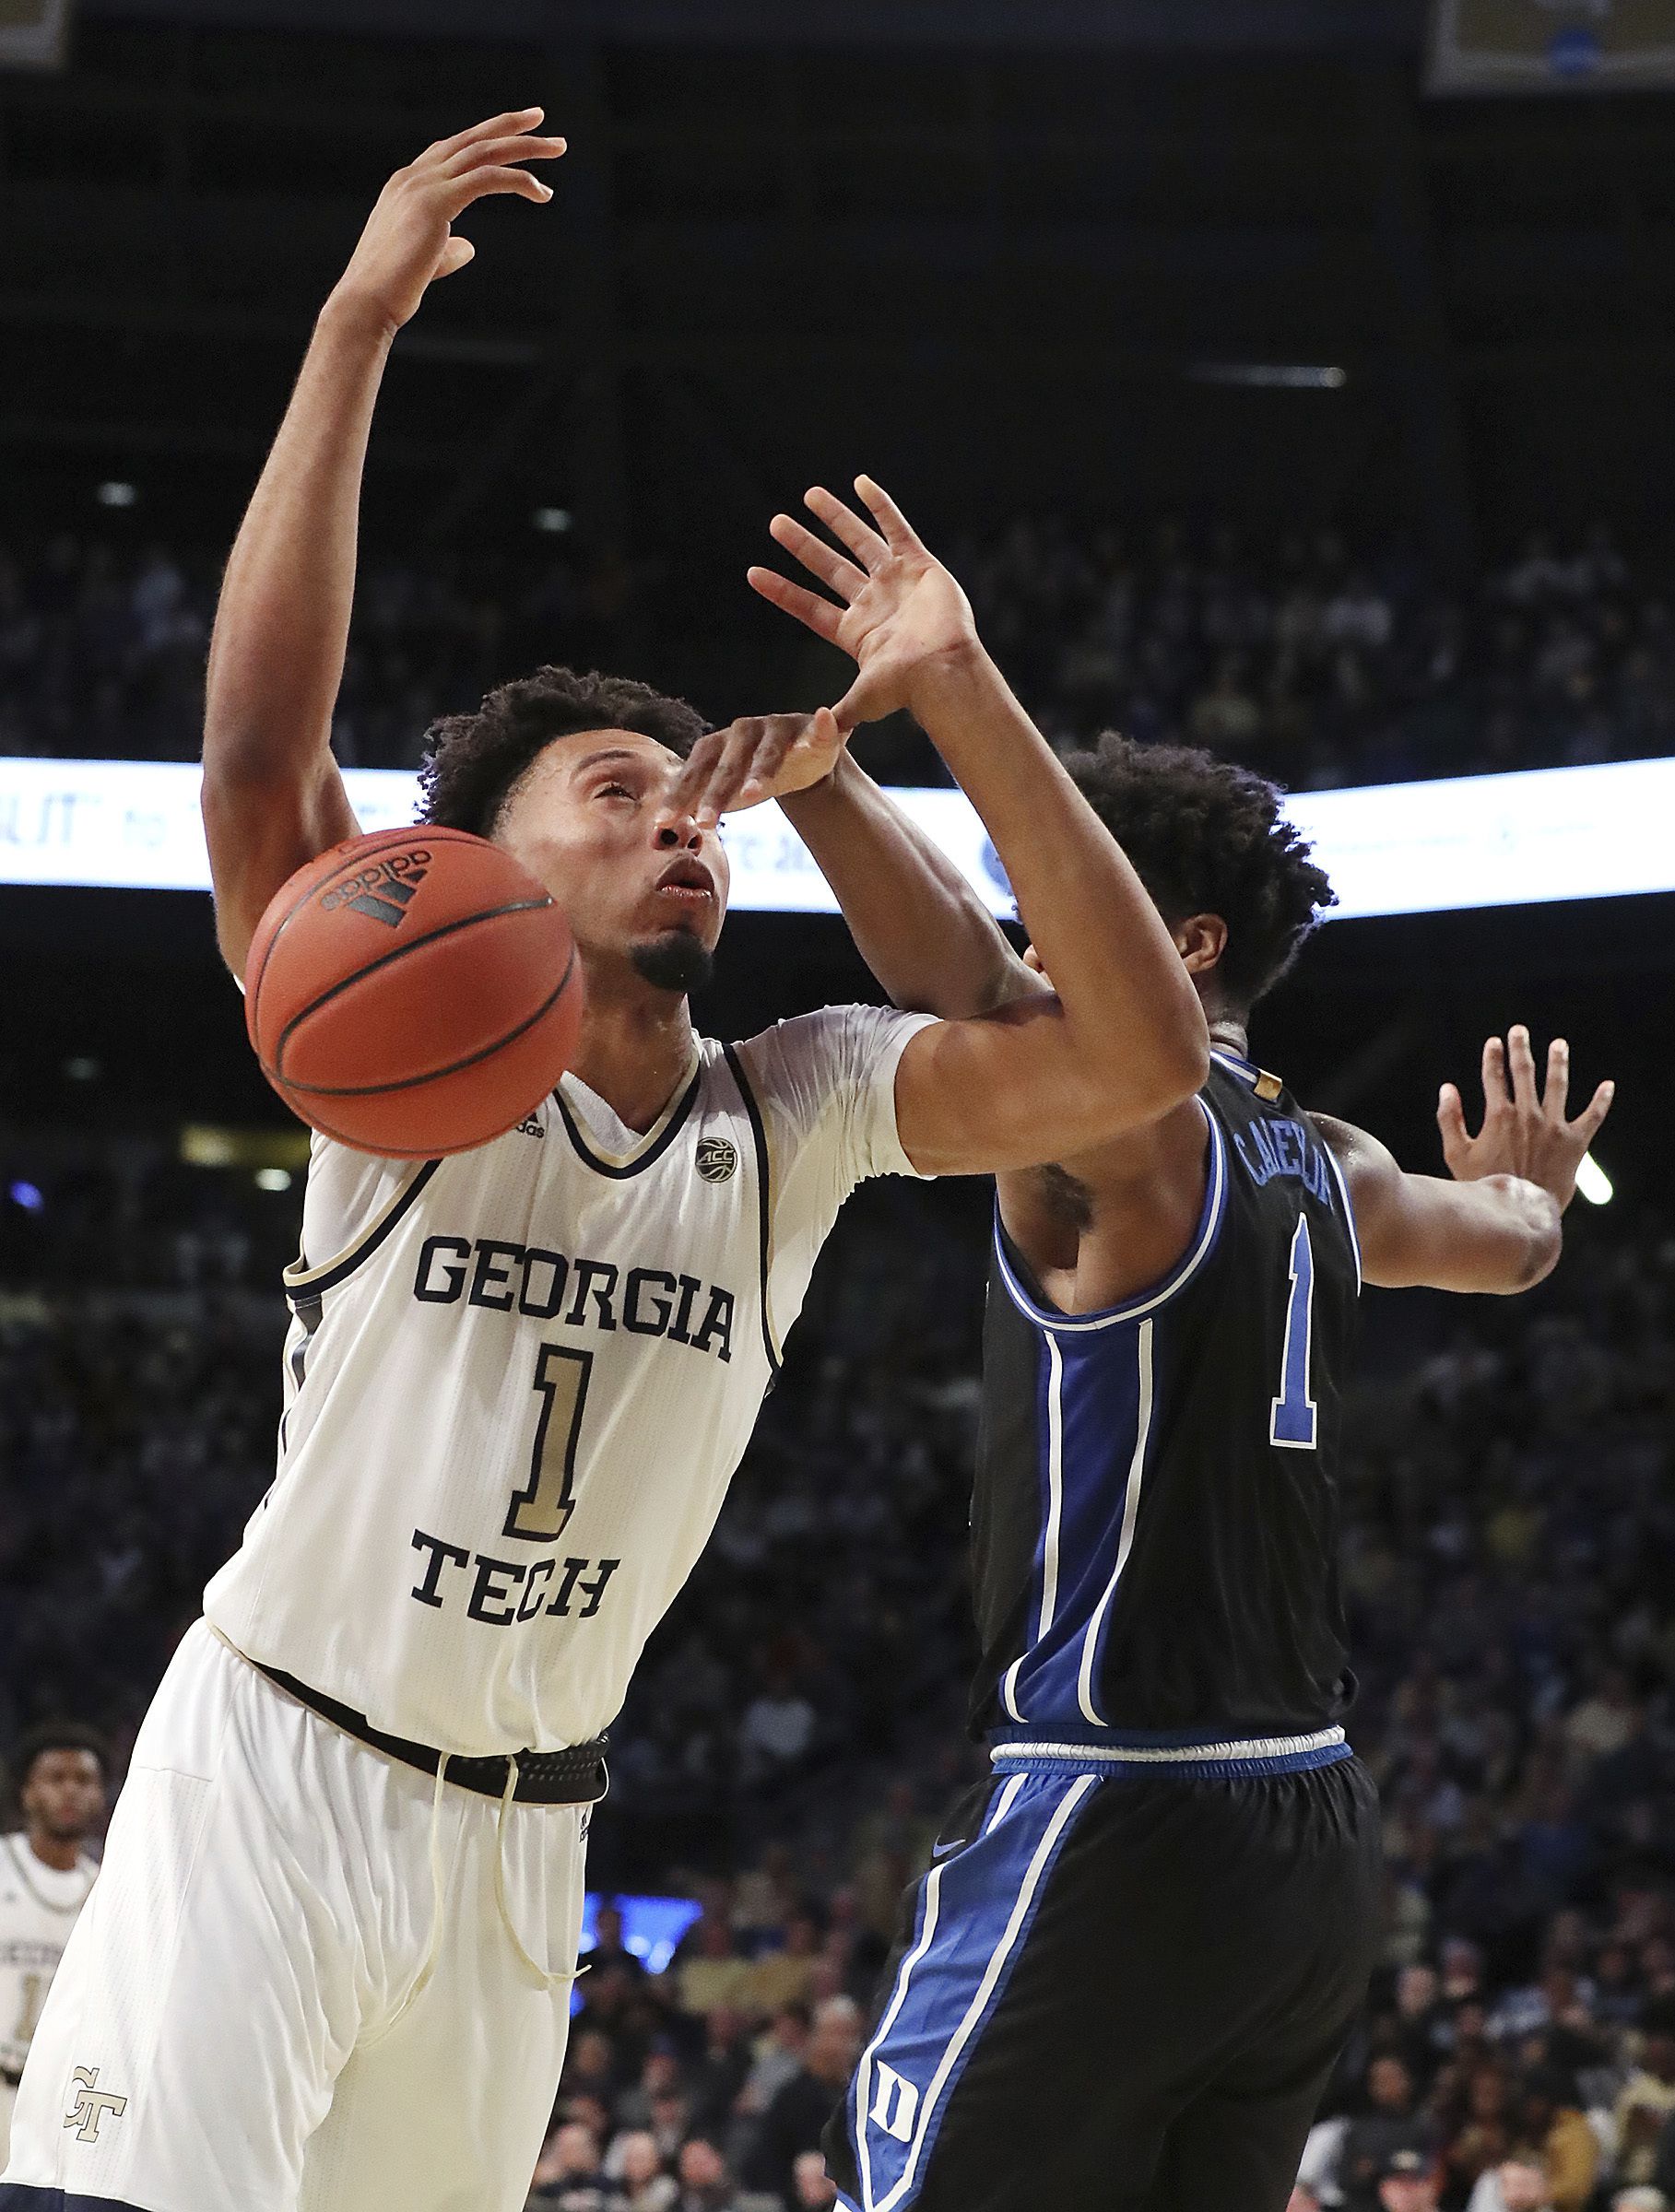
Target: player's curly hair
<point>473,762</point>
<point>56,1736</point>
<point>1206,838</point>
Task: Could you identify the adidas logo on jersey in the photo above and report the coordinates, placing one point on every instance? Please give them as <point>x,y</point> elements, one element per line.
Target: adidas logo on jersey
<point>531,1125</point>
<point>383,893</point>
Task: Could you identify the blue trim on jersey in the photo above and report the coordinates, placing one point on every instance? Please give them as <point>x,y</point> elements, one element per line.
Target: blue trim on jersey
<point>1098,1399</point>
<point>973,1915</point>
<point>1144,1301</point>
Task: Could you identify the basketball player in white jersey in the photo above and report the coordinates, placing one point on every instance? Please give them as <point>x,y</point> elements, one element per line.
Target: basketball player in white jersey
<point>46,1872</point>
<point>327,1963</point>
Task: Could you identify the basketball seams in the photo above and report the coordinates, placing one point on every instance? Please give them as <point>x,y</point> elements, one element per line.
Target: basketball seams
<point>460,923</point>
<point>455,1067</point>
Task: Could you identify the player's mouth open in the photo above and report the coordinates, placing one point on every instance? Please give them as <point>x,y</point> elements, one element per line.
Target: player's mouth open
<point>687,880</point>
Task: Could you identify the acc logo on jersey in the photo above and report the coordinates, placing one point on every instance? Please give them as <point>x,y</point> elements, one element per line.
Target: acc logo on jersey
<point>718,1157</point>
<point>382,892</point>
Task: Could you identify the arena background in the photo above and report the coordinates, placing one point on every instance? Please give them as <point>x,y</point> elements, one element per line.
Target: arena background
<point>1176,325</point>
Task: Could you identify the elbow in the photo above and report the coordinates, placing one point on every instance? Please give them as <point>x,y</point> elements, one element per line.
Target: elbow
<point>1546,1242</point>
<point>1173,1072</point>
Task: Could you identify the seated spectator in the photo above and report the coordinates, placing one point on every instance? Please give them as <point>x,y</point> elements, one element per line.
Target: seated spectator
<point>568,2176</point>
<point>1517,2184</point>
<point>784,1976</point>
<point>1550,2119</point>
<point>811,2189</point>
<point>794,2120</point>
<point>704,2183</point>
<point>635,2163</point>
<point>1645,2109</point>
<point>1388,2121</point>
<point>711,1971</point>
<point>1407,2182</point>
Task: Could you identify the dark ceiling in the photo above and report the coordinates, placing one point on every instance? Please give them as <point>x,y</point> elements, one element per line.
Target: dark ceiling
<point>998,274</point>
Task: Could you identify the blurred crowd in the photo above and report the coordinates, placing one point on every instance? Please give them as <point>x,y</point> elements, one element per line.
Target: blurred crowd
<point>1509,1556</point>
<point>1319,661</point>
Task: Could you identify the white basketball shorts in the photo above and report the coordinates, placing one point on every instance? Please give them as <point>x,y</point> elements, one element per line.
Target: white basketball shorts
<point>306,1980</point>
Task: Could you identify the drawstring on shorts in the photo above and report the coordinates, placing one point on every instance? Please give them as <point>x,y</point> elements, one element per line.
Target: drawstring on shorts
<point>439,1903</point>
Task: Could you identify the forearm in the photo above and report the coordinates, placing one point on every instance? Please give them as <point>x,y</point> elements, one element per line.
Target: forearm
<point>281,629</point>
<point>919,924</point>
<point>1132,1018</point>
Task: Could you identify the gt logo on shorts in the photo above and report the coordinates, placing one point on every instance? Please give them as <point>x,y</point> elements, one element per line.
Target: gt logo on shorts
<point>91,2105</point>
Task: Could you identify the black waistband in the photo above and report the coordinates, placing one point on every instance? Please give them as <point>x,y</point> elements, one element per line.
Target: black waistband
<point>575,1776</point>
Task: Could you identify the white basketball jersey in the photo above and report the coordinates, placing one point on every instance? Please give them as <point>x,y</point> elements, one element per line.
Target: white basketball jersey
<point>518,1386</point>
<point>38,1908</point>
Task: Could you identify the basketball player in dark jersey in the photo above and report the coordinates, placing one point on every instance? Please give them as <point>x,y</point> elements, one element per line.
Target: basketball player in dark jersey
<point>1127,1974</point>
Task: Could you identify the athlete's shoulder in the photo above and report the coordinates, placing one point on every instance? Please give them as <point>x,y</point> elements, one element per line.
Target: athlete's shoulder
<point>835,1054</point>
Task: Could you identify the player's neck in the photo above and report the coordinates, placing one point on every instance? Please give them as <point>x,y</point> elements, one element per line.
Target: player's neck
<point>1230,1035</point>
<point>634,1050</point>
<point>64,1858</point>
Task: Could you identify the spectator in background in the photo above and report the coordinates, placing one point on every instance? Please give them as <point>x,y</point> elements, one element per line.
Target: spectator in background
<point>568,2176</point>
<point>812,2190</point>
<point>1643,2111</point>
<point>1388,2121</point>
<point>793,2122</point>
<point>1517,2184</point>
<point>1407,2182</point>
<point>636,2164</point>
<point>705,2183</point>
<point>1552,2122</point>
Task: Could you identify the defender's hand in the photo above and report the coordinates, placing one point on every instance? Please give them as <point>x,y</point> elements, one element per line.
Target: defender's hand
<point>901,611</point>
<point>760,756</point>
<point>408,243</point>
<point>1524,1133</point>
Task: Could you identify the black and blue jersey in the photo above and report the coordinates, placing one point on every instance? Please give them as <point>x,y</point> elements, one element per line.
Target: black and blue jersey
<point>1155,1522</point>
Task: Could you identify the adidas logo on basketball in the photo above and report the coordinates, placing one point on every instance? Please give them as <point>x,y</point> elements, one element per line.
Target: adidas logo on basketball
<point>384,892</point>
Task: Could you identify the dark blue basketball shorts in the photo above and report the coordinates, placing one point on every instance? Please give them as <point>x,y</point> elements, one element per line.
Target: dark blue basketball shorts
<point>1119,1990</point>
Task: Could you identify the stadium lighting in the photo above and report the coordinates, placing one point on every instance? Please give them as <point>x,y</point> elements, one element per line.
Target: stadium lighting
<point>1592,1181</point>
<point>554,521</point>
<point>273,1179</point>
<point>28,1196</point>
<point>1272,376</point>
<point>117,494</point>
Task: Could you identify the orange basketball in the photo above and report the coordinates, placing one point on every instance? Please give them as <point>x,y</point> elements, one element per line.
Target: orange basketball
<point>413,992</point>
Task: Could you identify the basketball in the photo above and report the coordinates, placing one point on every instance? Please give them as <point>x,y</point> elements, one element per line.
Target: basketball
<point>413,992</point>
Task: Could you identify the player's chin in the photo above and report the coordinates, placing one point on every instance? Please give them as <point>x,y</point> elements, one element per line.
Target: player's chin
<point>675,959</point>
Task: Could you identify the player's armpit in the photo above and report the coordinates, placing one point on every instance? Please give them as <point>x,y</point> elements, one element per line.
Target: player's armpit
<point>1010,1090</point>
<point>1499,1234</point>
<point>260,830</point>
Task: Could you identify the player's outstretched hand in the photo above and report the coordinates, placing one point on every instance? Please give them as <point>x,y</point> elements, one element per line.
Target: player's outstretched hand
<point>758,758</point>
<point>409,241</point>
<point>1524,1131</point>
<point>900,609</point>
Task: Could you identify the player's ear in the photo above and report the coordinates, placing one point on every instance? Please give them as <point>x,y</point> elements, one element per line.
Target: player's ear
<point>1031,960</point>
<point>1201,940</point>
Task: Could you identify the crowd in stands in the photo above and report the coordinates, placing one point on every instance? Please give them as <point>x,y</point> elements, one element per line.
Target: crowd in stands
<point>1509,1556</point>
<point>1319,661</point>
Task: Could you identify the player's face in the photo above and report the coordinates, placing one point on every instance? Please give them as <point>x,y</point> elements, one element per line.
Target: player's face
<point>64,1795</point>
<point>595,821</point>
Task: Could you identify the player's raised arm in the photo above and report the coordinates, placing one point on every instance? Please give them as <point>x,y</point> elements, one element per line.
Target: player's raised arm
<point>1495,1226</point>
<point>272,796</point>
<point>1122,1038</point>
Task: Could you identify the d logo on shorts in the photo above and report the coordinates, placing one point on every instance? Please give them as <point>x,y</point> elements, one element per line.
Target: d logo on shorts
<point>91,2105</point>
